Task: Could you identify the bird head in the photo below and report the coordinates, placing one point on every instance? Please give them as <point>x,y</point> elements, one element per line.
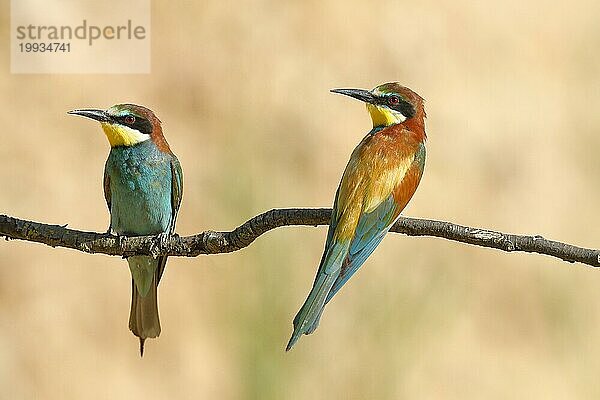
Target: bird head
<point>126,124</point>
<point>389,104</point>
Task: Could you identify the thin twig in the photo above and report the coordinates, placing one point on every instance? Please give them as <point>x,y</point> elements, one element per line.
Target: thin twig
<point>210,242</point>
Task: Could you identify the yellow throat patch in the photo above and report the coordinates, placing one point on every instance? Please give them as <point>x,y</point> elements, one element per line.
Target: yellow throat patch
<point>119,135</point>
<point>383,116</point>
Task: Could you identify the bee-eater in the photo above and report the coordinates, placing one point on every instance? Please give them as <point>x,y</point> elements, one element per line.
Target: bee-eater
<point>380,179</point>
<point>143,186</point>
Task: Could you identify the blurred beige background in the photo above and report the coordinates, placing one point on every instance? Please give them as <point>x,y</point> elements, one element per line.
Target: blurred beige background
<point>513,92</point>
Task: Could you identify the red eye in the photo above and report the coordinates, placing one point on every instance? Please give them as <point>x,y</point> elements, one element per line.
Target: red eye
<point>394,100</point>
<point>129,119</point>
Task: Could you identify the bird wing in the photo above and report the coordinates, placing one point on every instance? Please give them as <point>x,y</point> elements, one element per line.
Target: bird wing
<point>106,184</point>
<point>176,196</point>
<point>362,207</point>
<point>176,190</point>
<point>107,197</point>
<point>370,231</point>
<point>342,258</point>
<point>376,221</point>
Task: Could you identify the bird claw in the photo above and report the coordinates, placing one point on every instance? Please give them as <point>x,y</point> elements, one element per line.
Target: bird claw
<point>120,241</point>
<point>159,244</point>
<point>164,238</point>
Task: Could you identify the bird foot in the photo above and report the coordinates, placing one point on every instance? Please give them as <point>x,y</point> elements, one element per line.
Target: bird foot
<point>120,240</point>
<point>159,244</point>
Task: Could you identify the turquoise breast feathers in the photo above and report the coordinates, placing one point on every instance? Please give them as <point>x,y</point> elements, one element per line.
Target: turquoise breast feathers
<point>140,184</point>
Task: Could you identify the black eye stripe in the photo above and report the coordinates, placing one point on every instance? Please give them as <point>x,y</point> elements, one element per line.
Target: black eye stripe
<point>140,124</point>
<point>403,106</point>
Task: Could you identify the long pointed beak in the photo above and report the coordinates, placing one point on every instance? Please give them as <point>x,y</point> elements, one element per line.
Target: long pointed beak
<point>98,115</point>
<point>360,94</point>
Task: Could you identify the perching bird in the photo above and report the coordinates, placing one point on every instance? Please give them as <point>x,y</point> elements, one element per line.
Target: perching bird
<point>380,179</point>
<point>143,186</point>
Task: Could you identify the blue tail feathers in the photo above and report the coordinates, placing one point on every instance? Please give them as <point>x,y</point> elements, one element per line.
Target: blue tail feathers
<point>307,319</point>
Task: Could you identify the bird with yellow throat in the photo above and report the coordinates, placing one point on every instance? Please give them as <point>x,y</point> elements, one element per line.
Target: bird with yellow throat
<point>381,177</point>
<point>143,186</point>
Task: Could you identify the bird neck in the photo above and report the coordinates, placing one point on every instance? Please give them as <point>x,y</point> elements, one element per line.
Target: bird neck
<point>159,139</point>
<point>416,125</point>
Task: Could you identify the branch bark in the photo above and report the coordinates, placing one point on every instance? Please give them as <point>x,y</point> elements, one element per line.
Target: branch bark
<point>211,242</point>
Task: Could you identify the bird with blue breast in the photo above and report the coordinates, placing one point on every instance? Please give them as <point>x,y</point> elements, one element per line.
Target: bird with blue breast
<point>379,180</point>
<point>143,187</point>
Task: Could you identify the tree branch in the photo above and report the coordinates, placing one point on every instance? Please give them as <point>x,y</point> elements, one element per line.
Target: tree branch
<point>210,242</point>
